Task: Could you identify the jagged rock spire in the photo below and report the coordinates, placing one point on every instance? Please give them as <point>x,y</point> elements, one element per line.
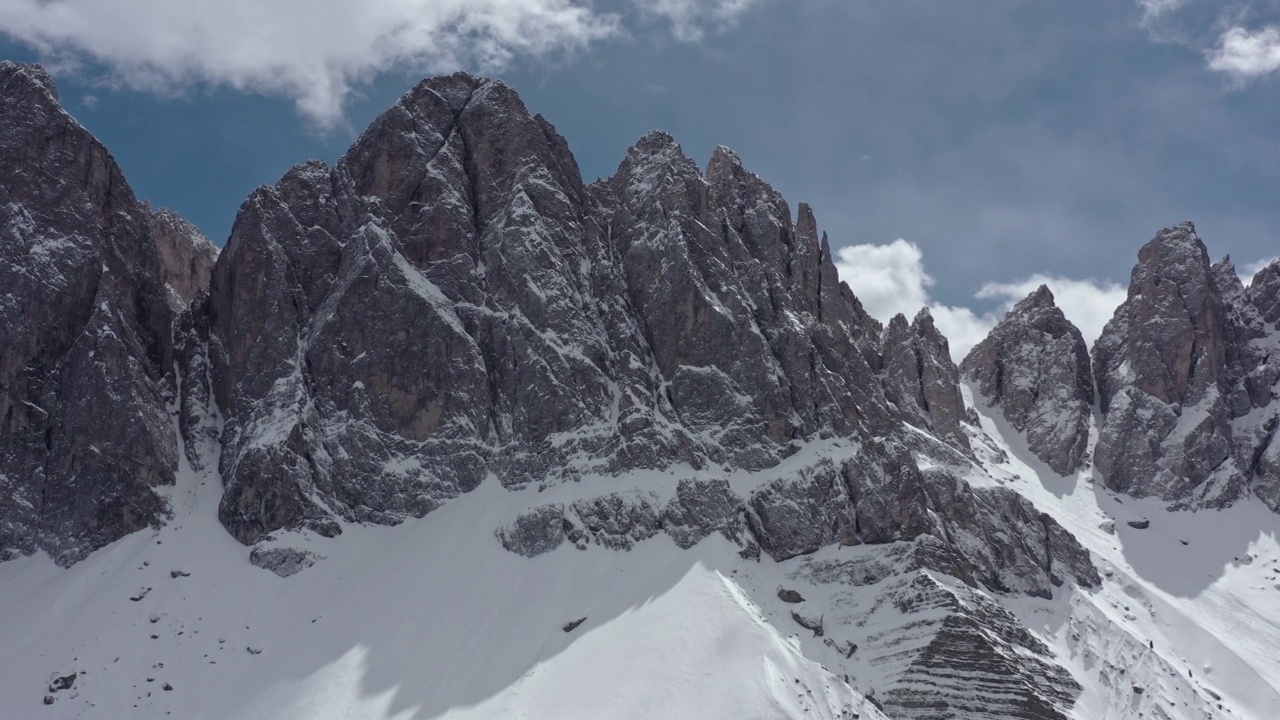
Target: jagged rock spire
<point>1034,367</point>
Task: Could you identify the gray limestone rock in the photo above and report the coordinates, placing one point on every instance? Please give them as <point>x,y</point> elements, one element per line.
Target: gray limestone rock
<point>535,531</point>
<point>1034,367</point>
<point>186,256</point>
<point>283,561</point>
<point>1185,372</point>
<point>85,332</point>
<point>450,301</point>
<point>703,507</point>
<point>921,380</point>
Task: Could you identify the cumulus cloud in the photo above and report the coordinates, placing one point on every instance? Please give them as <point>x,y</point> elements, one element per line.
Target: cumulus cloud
<point>891,279</point>
<point>317,51</point>
<point>1246,54</point>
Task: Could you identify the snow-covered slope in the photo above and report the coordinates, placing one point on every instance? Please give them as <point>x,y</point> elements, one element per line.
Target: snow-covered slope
<point>430,619</point>
<point>1186,623</point>
<point>433,619</point>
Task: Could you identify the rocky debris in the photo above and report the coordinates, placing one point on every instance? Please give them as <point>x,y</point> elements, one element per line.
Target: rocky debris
<point>988,537</point>
<point>62,682</point>
<point>1034,367</point>
<point>921,380</point>
<point>573,624</point>
<point>283,561</point>
<point>845,648</point>
<point>789,596</point>
<point>167,687</point>
<point>175,574</point>
<point>808,622</point>
<point>619,520</point>
<point>141,594</point>
<point>1142,524</point>
<point>250,649</point>
<point>86,329</point>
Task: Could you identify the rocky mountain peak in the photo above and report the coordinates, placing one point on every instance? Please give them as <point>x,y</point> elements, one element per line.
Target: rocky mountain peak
<point>1168,336</point>
<point>1264,292</point>
<point>1034,367</point>
<point>32,82</point>
<point>1176,366</point>
<point>1041,297</point>
<point>920,378</point>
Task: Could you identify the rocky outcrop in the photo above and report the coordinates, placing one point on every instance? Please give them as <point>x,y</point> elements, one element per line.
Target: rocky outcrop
<point>1034,367</point>
<point>921,380</point>
<point>85,332</point>
<point>1185,374</point>
<point>618,521</point>
<point>989,538</point>
<point>186,256</point>
<point>936,649</point>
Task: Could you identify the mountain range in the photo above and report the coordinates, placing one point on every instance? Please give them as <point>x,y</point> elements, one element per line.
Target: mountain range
<point>450,433</point>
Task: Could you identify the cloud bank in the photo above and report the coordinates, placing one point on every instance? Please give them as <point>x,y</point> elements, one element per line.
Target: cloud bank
<point>316,52</point>
<point>891,279</point>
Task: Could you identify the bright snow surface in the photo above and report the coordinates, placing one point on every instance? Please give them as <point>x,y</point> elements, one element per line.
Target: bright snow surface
<point>431,619</point>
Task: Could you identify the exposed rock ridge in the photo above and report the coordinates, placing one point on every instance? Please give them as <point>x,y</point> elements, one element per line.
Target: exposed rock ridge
<point>85,332</point>
<point>1186,371</point>
<point>1034,366</point>
<point>921,380</point>
<point>450,301</point>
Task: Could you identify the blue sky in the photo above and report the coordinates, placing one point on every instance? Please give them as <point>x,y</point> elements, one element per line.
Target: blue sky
<point>1003,141</point>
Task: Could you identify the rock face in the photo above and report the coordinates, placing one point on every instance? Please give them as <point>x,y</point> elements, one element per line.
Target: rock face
<point>450,301</point>
<point>1185,374</point>
<point>85,335</point>
<point>186,256</point>
<point>921,380</point>
<point>1034,366</point>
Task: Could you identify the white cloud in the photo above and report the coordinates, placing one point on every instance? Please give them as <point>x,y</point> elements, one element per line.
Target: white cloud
<point>1246,54</point>
<point>317,51</point>
<point>690,19</point>
<point>891,279</point>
